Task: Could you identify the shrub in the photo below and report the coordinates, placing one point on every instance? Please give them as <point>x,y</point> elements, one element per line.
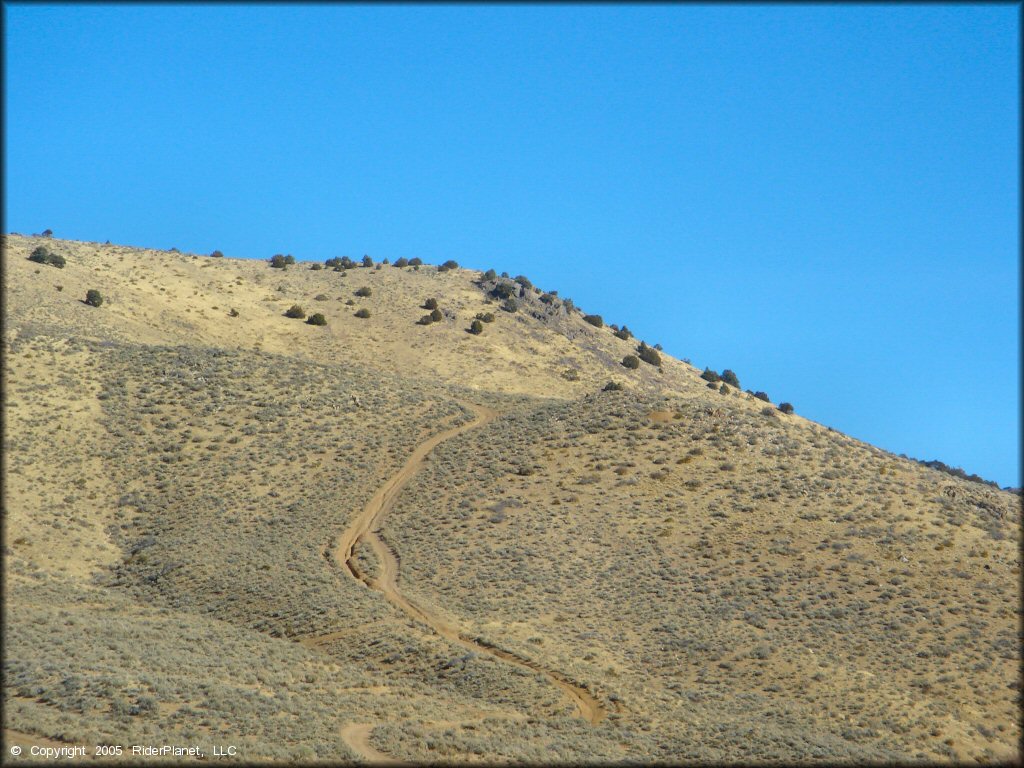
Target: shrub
<point>450,264</point>
<point>548,298</point>
<point>724,389</point>
<point>364,292</point>
<point>402,262</point>
<point>320,297</point>
<point>233,312</point>
<point>317,319</point>
<point>524,281</point>
<point>613,386</point>
<point>415,262</point>
<point>335,262</point>
<point>762,396</point>
<point>712,385</point>
<point>631,361</point>
<point>43,255</point>
<point>624,333</point>
<point>316,267</point>
<point>504,291</point>
<point>571,374</point>
<point>436,315</point>
<point>490,274</point>
<point>594,320</point>
<point>216,255</point>
<point>295,311</point>
<point>425,320</point>
<point>510,305</point>
<point>367,261</point>
<point>649,354</point>
<point>93,297</point>
<point>40,255</point>
<point>277,261</point>
<point>710,375</point>
<point>769,411</point>
<point>430,304</point>
<point>476,327</point>
<point>730,378</point>
<point>363,313</point>
<point>786,407</point>
<point>486,317</point>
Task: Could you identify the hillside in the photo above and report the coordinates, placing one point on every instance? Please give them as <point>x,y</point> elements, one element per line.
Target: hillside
<point>377,539</point>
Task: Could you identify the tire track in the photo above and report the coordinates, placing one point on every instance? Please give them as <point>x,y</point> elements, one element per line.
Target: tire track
<point>364,528</point>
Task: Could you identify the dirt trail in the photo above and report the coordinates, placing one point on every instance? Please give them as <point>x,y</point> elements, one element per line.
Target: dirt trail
<point>364,529</point>
<point>357,736</point>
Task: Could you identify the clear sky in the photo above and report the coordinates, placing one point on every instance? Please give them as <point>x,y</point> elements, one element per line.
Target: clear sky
<point>824,199</point>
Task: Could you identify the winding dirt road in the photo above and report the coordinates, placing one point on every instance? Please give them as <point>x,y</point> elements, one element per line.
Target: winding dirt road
<point>364,528</point>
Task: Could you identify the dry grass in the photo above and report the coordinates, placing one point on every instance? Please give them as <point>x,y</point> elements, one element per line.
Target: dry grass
<point>734,585</point>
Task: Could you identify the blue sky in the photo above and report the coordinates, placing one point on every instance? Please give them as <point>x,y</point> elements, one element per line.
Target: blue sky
<point>824,199</point>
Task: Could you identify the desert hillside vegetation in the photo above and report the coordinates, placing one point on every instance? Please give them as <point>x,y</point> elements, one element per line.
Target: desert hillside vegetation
<point>628,560</point>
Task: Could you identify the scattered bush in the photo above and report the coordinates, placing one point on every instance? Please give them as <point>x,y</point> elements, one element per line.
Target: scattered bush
<point>712,385</point>
<point>769,411</point>
<point>571,374</point>
<point>363,313</point>
<point>548,298</point>
<point>233,312</point>
<point>450,264</point>
<point>415,262</point>
<point>762,396</point>
<point>490,274</point>
<point>93,298</point>
<point>320,297</point>
<point>340,263</point>
<point>631,361</point>
<point>430,304</point>
<point>594,320</point>
<point>216,255</point>
<point>786,407</point>
<point>486,317</point>
<point>524,281</point>
<point>476,327</point>
<point>710,375</point>
<point>317,319</point>
<point>277,261</point>
<point>295,311</point>
<point>510,305</point>
<point>624,333</point>
<point>613,386</point>
<point>43,255</point>
<point>425,320</point>
<point>730,378</point>
<point>367,261</point>
<point>437,316</point>
<point>364,292</point>
<point>401,262</point>
<point>504,291</point>
<point>649,354</point>
<point>316,267</point>
<point>724,389</point>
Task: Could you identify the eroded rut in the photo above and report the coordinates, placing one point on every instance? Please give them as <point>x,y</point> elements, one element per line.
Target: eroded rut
<point>364,528</point>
